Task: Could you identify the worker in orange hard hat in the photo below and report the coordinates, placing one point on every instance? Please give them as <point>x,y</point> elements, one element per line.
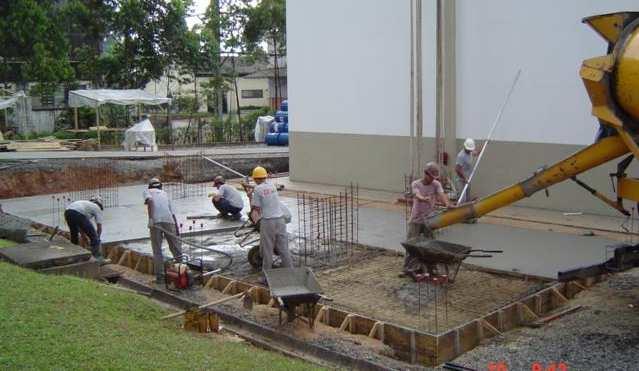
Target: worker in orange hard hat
<point>269,210</point>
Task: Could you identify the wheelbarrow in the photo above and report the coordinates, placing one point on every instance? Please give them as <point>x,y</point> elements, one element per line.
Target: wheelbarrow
<point>249,233</point>
<point>292,287</point>
<point>431,253</point>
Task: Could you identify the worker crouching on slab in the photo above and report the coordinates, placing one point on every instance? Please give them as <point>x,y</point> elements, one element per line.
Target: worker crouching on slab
<point>162,224</point>
<point>78,215</point>
<point>426,193</point>
<point>267,208</point>
<point>228,201</point>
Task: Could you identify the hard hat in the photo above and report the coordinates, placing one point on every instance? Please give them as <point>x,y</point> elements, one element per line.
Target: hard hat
<point>469,144</point>
<point>259,173</point>
<point>155,183</point>
<point>98,201</point>
<point>218,180</point>
<point>432,169</point>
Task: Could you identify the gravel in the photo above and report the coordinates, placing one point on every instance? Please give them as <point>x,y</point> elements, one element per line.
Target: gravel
<point>602,336</point>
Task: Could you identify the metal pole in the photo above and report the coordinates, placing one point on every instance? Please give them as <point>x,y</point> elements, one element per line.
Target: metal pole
<point>490,134</point>
<point>411,142</point>
<point>97,125</point>
<point>418,61</point>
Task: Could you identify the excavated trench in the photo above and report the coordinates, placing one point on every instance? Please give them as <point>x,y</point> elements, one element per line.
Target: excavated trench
<point>22,178</point>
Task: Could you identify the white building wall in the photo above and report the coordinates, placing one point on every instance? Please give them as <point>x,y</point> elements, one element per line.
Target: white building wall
<point>546,39</point>
<point>348,66</point>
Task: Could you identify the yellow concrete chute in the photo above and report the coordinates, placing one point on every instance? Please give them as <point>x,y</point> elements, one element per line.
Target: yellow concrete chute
<point>612,82</point>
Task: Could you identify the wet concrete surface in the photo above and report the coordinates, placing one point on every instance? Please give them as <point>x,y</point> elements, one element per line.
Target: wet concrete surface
<point>534,252</point>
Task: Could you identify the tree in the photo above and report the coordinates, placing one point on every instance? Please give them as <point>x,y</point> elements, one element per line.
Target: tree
<point>146,37</point>
<point>34,47</point>
<point>266,23</point>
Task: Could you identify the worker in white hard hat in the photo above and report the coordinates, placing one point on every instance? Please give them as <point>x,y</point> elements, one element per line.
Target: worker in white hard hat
<point>427,192</point>
<point>162,224</point>
<point>267,208</point>
<point>78,215</point>
<point>464,167</point>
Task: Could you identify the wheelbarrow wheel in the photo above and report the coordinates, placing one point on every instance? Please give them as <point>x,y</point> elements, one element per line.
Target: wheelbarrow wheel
<point>255,258</point>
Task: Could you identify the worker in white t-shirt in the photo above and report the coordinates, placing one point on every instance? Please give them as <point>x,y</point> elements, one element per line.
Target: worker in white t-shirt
<point>78,215</point>
<point>267,208</point>
<point>228,201</point>
<point>162,224</point>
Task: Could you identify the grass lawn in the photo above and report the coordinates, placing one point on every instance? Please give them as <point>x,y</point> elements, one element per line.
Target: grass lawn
<point>59,322</point>
<point>6,243</point>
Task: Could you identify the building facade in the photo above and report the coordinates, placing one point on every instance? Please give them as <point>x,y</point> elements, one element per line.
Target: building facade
<point>349,81</point>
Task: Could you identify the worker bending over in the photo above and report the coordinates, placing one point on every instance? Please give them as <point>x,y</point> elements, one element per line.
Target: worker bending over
<point>426,193</point>
<point>162,224</point>
<point>228,201</point>
<point>464,168</point>
<point>266,207</point>
<point>78,215</point>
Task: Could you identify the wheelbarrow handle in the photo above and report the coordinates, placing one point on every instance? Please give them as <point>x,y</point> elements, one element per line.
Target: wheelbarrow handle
<point>479,256</point>
<point>488,251</point>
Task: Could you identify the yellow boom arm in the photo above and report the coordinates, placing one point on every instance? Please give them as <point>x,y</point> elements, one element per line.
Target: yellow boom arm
<point>592,156</point>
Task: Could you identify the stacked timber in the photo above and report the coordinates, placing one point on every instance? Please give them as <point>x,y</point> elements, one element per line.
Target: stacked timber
<point>48,144</point>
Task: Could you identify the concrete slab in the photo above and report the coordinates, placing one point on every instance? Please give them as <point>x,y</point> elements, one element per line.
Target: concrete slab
<point>534,252</point>
<point>38,255</point>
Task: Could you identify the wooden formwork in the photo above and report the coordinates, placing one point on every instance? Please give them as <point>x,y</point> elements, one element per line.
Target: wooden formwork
<point>409,345</point>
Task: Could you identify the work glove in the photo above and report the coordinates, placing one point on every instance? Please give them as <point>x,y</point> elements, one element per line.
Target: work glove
<point>151,223</point>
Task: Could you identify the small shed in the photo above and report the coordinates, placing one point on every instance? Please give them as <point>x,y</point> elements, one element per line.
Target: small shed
<point>124,97</point>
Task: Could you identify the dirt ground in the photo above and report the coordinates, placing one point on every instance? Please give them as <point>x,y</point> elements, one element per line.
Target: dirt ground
<point>373,288</point>
<point>604,335</point>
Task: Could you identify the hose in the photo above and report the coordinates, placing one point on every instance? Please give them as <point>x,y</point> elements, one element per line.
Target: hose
<point>205,248</point>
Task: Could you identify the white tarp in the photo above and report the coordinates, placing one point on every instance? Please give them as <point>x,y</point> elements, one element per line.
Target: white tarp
<point>141,133</point>
<point>10,101</point>
<point>98,97</point>
<point>261,127</point>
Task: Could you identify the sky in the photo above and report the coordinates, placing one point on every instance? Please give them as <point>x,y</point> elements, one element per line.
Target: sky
<point>199,7</point>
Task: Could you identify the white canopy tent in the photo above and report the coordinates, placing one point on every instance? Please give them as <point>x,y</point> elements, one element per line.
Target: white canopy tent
<point>6,102</point>
<point>125,97</point>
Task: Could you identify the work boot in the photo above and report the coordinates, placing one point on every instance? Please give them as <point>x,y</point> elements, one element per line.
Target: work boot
<point>235,217</point>
<point>102,261</point>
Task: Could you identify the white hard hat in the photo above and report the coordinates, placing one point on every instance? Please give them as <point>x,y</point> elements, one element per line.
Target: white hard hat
<point>469,144</point>
<point>98,201</point>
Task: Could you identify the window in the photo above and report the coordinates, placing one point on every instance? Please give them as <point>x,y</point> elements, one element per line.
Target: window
<point>248,94</point>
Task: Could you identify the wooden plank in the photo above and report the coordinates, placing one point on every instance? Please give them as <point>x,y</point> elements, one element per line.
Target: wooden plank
<point>375,330</point>
<point>320,317</point>
<point>229,287</point>
<point>558,295</point>
<point>124,257</point>
<point>526,311</point>
<point>346,322</point>
<point>490,327</point>
<point>361,325</point>
<point>542,321</point>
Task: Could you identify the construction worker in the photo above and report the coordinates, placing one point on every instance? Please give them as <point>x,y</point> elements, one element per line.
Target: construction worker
<point>162,224</point>
<point>78,215</point>
<point>267,208</point>
<point>426,193</point>
<point>228,201</point>
<point>464,167</point>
